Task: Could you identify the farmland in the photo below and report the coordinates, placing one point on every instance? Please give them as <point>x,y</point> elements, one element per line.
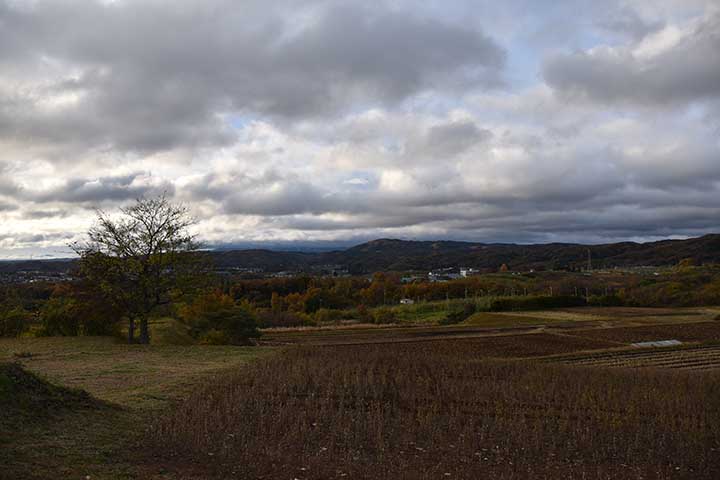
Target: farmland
<point>689,332</point>
<point>433,410</point>
<point>701,357</point>
<point>620,326</point>
<point>561,395</point>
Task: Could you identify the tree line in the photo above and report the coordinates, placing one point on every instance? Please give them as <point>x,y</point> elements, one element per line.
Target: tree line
<point>144,263</point>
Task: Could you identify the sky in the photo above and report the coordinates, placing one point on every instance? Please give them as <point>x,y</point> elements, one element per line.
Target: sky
<point>338,122</point>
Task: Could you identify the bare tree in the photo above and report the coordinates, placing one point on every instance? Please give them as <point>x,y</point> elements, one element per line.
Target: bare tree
<point>140,257</point>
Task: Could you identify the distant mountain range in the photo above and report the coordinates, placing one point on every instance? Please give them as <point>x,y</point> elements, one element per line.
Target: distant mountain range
<point>404,255</point>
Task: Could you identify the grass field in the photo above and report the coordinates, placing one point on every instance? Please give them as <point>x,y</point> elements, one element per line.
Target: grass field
<point>138,380</point>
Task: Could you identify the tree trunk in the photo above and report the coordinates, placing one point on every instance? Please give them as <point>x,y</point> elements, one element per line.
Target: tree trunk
<point>144,334</point>
<point>131,331</point>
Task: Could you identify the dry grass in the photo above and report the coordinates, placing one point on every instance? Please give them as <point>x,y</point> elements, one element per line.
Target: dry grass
<point>136,376</point>
<point>428,410</point>
<point>619,316</point>
<point>141,380</point>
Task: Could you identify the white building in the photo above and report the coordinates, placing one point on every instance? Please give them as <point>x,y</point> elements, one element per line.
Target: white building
<point>468,272</point>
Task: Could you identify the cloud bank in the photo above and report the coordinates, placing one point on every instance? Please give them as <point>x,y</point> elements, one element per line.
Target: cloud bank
<point>329,120</point>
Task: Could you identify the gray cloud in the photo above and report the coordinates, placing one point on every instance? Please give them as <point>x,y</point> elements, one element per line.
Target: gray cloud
<point>627,21</point>
<point>149,77</point>
<point>101,189</point>
<point>334,120</point>
<point>448,140</point>
<point>687,71</point>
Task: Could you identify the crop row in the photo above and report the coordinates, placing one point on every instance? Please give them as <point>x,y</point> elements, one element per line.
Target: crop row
<point>430,410</point>
<point>695,357</point>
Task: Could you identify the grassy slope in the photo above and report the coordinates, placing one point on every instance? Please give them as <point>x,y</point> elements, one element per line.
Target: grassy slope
<point>140,380</point>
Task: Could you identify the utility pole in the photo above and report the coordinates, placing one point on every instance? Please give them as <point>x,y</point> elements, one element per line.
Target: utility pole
<point>589,263</point>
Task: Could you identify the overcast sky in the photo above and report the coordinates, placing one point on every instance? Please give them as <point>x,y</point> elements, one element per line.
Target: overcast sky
<point>286,120</point>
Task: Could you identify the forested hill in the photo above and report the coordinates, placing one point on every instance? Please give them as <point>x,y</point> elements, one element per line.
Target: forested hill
<point>403,255</point>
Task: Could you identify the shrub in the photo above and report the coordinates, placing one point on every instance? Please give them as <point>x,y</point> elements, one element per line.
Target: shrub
<point>237,323</point>
<point>271,319</point>
<point>605,301</point>
<point>384,315</point>
<point>69,316</point>
<point>328,315</point>
<point>14,322</point>
<point>59,316</point>
<point>363,314</point>
<point>216,312</point>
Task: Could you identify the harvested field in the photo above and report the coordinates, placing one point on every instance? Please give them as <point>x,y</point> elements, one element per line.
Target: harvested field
<point>626,315</point>
<point>493,323</point>
<point>502,319</point>
<point>426,410</point>
<point>379,335</point>
<point>634,312</point>
<point>701,357</point>
<point>502,346</point>
<point>685,332</point>
<point>484,342</point>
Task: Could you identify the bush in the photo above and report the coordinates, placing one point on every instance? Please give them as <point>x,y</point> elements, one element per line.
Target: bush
<point>215,313</point>
<point>14,322</point>
<point>59,316</point>
<point>236,323</point>
<point>363,314</point>
<point>384,315</point>
<point>605,301</point>
<point>68,316</point>
<point>270,319</point>
<point>328,315</point>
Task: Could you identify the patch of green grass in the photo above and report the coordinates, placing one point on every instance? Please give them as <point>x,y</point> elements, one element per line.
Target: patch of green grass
<point>428,312</point>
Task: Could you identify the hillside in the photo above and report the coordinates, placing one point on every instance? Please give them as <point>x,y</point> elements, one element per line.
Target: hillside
<point>423,255</point>
<point>402,255</point>
<point>405,255</point>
